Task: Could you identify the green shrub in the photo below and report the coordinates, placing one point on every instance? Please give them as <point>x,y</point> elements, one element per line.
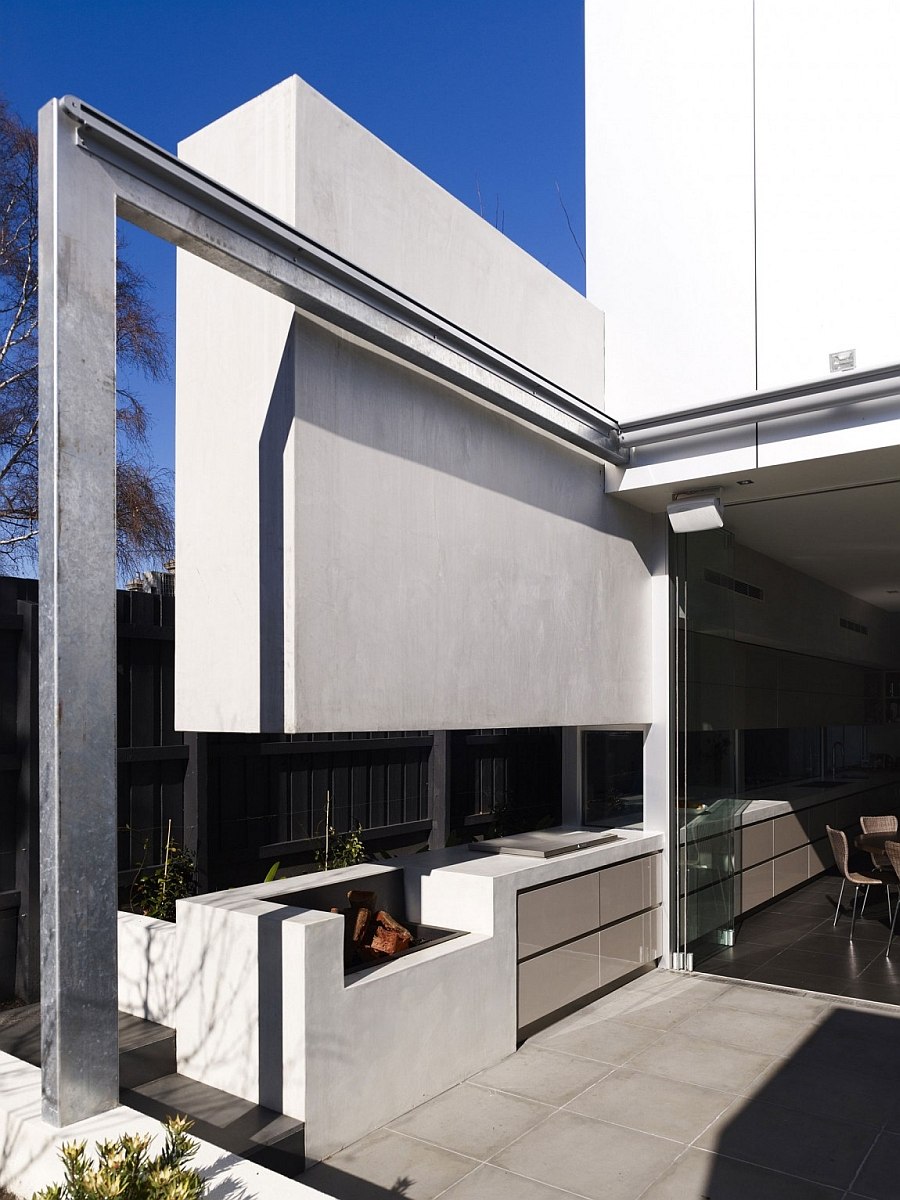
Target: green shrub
<point>125,1170</point>
<point>156,889</point>
<point>343,850</point>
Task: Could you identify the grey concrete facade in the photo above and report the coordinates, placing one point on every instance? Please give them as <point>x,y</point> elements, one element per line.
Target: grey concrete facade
<point>423,561</point>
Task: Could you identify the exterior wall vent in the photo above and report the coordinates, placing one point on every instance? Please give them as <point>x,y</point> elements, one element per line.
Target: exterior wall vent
<point>854,626</point>
<point>740,586</point>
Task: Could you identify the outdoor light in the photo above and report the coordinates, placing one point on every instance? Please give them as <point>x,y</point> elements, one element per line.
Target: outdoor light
<point>695,513</point>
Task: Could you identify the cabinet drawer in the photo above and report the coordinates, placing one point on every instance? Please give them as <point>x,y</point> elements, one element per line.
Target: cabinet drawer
<point>628,887</point>
<point>555,913</point>
<point>791,869</point>
<point>756,886</point>
<point>630,944</point>
<point>789,833</point>
<point>820,857</point>
<point>756,843</point>
<point>557,978</point>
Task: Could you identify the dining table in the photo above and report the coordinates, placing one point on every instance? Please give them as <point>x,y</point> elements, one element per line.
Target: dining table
<point>873,843</point>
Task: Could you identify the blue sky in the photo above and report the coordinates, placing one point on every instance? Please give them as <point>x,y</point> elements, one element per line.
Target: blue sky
<point>482,96</point>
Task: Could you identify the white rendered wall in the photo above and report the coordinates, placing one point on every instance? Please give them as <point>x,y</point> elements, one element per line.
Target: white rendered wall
<point>149,981</point>
<point>669,188</point>
<point>360,547</point>
<point>742,191</point>
<point>828,185</point>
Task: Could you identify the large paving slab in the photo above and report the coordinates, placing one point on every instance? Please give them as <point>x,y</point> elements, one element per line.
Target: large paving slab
<point>675,1087</point>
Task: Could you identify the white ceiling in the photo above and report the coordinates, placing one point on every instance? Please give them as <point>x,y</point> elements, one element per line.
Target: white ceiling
<point>836,518</point>
<point>848,538</point>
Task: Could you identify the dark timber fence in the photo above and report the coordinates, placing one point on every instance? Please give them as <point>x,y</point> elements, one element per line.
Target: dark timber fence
<point>239,802</point>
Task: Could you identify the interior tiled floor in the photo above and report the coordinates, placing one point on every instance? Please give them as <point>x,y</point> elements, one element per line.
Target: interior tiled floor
<point>676,1087</point>
<point>794,943</point>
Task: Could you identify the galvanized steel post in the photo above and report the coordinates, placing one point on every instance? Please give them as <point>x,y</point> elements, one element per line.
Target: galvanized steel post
<point>79,1023</point>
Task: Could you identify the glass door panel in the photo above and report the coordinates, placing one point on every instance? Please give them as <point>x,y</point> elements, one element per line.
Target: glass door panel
<point>707,808</point>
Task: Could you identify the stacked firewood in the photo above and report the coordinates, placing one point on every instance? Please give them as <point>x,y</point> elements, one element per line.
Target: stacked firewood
<point>370,933</point>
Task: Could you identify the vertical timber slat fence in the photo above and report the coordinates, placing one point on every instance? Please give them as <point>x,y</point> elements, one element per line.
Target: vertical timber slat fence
<point>238,802</point>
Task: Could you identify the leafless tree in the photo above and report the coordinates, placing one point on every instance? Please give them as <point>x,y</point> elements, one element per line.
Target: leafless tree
<point>143,499</point>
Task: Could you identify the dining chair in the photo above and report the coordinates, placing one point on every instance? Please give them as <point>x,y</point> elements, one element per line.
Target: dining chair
<point>884,824</point>
<point>856,879</point>
<point>892,851</point>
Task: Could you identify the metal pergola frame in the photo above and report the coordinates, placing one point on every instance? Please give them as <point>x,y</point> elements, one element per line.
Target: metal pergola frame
<point>91,170</point>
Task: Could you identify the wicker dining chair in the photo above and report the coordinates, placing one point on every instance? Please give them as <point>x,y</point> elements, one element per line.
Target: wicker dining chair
<point>879,825</point>
<point>856,879</point>
<point>892,852</point>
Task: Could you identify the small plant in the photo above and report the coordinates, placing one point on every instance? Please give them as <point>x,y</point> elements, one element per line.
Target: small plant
<point>125,1169</point>
<point>272,872</point>
<point>155,891</point>
<point>342,849</point>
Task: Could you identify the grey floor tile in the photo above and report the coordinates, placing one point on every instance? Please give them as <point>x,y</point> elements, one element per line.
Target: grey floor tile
<point>810,1146</point>
<point>589,1157</point>
<point>705,1063</point>
<point>610,1041</point>
<point>665,1107</point>
<point>794,977</point>
<point>543,1075</point>
<point>662,1010</point>
<point>881,993</point>
<point>699,1175</point>
<point>767,1033</point>
<point>388,1162</point>
<point>491,1183</point>
<point>776,1004</point>
<point>472,1120</point>
<point>813,962</point>
<point>820,1090</point>
<point>879,1175</point>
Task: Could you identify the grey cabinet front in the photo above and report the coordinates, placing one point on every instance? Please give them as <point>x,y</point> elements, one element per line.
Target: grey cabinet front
<point>554,914</point>
<point>559,977</point>
<point>628,945</point>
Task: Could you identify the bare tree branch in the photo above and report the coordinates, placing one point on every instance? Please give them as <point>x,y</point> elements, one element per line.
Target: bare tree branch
<point>143,503</point>
<point>569,223</point>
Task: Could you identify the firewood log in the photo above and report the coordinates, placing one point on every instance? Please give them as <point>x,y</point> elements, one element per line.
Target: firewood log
<point>385,919</point>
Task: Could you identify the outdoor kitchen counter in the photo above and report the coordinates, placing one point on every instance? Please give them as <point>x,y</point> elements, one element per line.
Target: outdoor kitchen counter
<point>568,928</point>
<point>264,1009</point>
<point>779,841</point>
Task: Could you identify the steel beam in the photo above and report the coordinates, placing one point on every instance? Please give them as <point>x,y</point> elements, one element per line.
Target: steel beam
<point>167,197</point>
<point>881,384</point>
<point>77,627</point>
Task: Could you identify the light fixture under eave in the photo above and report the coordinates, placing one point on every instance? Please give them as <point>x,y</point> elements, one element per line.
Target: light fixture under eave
<point>695,514</point>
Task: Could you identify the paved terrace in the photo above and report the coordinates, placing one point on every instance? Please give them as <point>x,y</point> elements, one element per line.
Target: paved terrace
<point>676,1087</point>
<point>673,1088</point>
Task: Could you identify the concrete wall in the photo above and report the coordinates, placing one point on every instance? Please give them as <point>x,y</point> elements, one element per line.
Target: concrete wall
<point>360,547</point>
<point>267,1014</point>
<point>741,193</point>
<point>149,980</point>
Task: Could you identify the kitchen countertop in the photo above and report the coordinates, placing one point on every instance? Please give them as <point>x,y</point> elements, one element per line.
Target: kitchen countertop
<point>764,804</point>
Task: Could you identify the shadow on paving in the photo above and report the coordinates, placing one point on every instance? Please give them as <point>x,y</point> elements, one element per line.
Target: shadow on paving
<point>824,1125</point>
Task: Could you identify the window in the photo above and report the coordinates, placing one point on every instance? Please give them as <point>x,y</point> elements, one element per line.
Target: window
<point>612,777</point>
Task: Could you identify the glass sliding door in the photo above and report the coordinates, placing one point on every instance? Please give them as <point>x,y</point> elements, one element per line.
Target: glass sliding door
<point>707,809</point>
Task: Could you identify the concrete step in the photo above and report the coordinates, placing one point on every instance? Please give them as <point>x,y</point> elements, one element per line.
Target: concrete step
<point>149,1082</point>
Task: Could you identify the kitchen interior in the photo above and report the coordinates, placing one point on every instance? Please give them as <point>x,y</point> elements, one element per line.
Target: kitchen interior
<point>788,721</point>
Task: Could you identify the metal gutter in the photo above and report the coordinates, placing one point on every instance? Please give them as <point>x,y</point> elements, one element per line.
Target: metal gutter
<point>322,283</point>
<point>880,384</point>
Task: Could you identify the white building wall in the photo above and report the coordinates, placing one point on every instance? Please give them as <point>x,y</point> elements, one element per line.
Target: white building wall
<point>669,189</point>
<point>742,189</point>
<point>828,185</point>
<point>369,549</point>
